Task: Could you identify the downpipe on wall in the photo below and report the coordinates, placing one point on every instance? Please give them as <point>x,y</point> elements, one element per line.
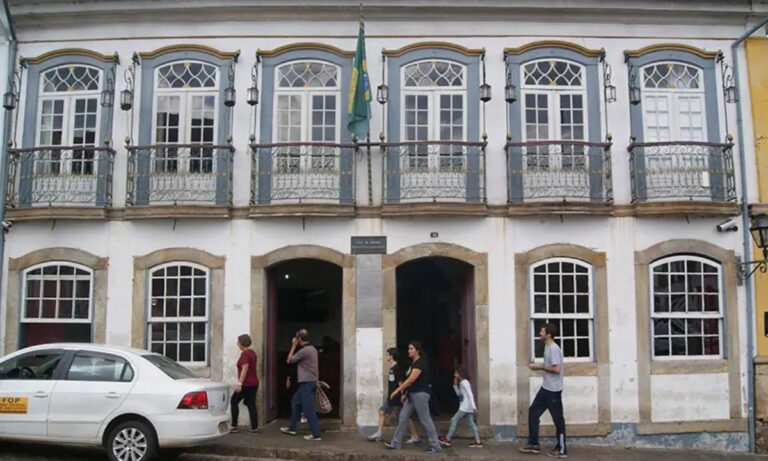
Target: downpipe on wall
<point>12,52</point>
<point>747,241</point>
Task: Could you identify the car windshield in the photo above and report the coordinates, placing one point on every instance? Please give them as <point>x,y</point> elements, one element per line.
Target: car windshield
<point>169,367</point>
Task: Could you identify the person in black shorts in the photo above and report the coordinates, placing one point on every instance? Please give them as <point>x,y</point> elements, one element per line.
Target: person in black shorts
<point>392,407</point>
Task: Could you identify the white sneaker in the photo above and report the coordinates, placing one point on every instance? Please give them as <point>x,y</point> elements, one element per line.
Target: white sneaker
<point>312,438</point>
<point>375,437</point>
<point>413,441</point>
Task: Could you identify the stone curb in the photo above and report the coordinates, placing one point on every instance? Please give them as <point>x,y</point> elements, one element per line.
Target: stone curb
<point>298,454</point>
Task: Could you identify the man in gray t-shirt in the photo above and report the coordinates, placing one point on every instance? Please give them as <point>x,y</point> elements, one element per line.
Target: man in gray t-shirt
<point>550,396</point>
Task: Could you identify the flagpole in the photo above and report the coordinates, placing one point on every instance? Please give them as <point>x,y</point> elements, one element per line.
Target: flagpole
<point>370,171</point>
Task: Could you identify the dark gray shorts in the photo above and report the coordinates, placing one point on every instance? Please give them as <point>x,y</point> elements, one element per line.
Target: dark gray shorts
<point>388,409</point>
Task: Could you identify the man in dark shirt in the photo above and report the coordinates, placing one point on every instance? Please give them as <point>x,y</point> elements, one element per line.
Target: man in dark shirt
<point>392,406</point>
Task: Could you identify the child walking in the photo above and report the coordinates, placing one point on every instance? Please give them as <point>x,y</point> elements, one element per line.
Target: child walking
<point>467,409</point>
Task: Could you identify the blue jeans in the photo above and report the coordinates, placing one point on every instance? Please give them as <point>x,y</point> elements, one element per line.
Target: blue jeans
<point>303,401</point>
<point>470,421</point>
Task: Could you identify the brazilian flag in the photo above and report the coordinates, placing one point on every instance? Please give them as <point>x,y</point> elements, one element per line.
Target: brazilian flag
<point>359,108</point>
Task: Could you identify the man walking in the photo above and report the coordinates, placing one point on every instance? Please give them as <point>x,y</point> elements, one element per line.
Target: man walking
<point>303,400</point>
<point>549,397</point>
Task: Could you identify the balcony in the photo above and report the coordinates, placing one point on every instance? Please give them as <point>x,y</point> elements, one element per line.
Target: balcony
<point>61,182</point>
<point>302,179</point>
<point>179,180</point>
<point>559,176</point>
<point>434,177</point>
<point>687,175</point>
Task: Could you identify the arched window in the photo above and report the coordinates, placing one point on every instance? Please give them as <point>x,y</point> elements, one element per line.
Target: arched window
<point>554,108</point>
<point>434,108</point>
<point>673,102</point>
<point>185,105</point>
<point>179,304</point>
<point>56,303</point>
<point>686,307</point>
<point>68,115</point>
<point>307,107</point>
<point>307,98</point>
<point>434,95</point>
<point>561,294</point>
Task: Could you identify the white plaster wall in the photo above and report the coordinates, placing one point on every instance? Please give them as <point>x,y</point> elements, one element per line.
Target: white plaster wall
<point>391,35</point>
<point>4,50</point>
<point>501,238</point>
<point>579,399</point>
<point>369,376</point>
<point>503,329</point>
<point>689,397</point>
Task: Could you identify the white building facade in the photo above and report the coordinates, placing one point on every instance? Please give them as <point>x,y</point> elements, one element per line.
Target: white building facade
<point>585,192</point>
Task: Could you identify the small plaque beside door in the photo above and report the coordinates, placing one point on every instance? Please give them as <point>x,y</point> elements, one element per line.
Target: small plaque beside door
<point>369,245</point>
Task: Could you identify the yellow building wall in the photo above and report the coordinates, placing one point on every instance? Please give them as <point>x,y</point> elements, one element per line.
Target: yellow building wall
<point>757,64</point>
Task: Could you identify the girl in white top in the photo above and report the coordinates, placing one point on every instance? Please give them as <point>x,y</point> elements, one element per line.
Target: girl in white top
<point>467,408</point>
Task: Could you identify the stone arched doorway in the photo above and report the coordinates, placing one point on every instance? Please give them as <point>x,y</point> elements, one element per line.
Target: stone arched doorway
<point>312,287</point>
<point>462,306</point>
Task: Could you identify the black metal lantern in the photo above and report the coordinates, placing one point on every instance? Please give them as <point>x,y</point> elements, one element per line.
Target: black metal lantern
<point>730,94</point>
<point>485,92</point>
<point>382,94</point>
<point>634,95</point>
<point>610,93</point>
<point>126,99</point>
<point>230,95</point>
<point>108,95</point>
<point>510,93</point>
<point>253,96</point>
<point>759,231</point>
<point>9,100</point>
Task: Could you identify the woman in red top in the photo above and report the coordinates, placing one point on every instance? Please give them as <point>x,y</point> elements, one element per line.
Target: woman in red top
<point>247,384</point>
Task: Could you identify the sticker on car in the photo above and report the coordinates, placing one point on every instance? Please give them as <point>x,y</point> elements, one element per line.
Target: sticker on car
<point>14,405</point>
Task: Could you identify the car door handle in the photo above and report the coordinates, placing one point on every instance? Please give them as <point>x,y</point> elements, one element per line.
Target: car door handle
<point>41,395</point>
<point>112,395</point>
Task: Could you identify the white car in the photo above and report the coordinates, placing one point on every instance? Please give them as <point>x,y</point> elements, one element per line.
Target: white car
<point>132,402</point>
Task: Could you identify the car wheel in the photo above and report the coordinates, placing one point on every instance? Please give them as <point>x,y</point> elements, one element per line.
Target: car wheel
<point>131,441</point>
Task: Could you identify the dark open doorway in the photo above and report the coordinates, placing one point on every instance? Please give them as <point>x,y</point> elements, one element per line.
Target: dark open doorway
<point>303,293</point>
<point>435,305</point>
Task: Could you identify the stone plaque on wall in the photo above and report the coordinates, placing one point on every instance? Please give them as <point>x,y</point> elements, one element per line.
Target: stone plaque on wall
<point>369,245</point>
<point>368,291</point>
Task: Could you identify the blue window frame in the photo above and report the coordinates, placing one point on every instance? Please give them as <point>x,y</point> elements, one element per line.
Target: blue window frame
<point>678,109</point>
<point>433,96</point>
<point>62,108</point>
<point>305,96</point>
<point>182,102</point>
<point>559,101</point>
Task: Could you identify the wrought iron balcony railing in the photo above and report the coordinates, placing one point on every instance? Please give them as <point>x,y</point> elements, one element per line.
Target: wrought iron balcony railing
<point>60,176</point>
<point>563,171</point>
<point>180,174</point>
<point>434,171</point>
<point>307,172</point>
<point>682,170</point>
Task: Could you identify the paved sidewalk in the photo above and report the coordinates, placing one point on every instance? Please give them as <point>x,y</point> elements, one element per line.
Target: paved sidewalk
<point>338,446</point>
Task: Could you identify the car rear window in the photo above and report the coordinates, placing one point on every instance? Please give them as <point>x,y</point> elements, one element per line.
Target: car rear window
<point>169,367</point>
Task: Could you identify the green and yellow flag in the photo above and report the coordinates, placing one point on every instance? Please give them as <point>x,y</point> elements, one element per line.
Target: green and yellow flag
<point>359,108</point>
